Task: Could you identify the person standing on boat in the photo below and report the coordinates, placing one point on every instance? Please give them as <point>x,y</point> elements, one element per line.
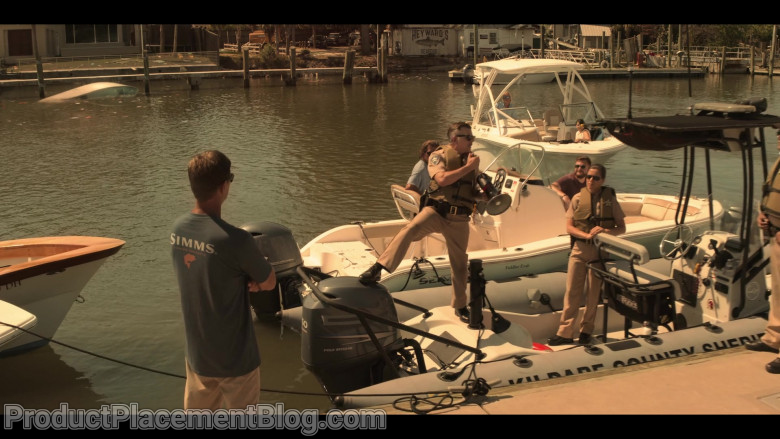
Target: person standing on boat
<point>582,135</point>
<point>419,180</point>
<point>452,196</point>
<point>217,265</point>
<point>571,184</point>
<point>594,210</point>
<point>769,220</point>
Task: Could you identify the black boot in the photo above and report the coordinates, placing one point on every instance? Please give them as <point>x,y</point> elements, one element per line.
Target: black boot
<point>372,275</point>
<point>463,314</point>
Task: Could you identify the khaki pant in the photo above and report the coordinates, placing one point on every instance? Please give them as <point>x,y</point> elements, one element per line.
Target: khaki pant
<point>772,334</point>
<point>581,254</point>
<point>214,393</point>
<point>456,233</point>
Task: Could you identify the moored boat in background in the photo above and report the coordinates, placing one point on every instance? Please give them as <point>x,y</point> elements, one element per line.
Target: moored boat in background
<point>45,275</point>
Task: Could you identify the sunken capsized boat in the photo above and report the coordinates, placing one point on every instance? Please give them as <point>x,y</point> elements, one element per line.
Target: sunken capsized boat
<point>94,90</point>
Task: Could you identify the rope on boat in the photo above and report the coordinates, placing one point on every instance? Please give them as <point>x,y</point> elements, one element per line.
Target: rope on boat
<point>418,272</point>
<point>472,387</point>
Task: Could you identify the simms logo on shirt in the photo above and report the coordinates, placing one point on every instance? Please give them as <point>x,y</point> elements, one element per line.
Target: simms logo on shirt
<point>192,244</point>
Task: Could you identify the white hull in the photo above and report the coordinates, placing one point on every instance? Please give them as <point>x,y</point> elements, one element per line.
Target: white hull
<point>537,365</point>
<point>551,125</point>
<point>44,276</point>
<point>707,316</point>
<point>530,238</point>
<point>15,322</point>
<point>531,78</point>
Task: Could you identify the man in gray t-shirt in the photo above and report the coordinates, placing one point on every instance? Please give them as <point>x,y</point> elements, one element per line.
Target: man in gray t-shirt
<point>217,265</point>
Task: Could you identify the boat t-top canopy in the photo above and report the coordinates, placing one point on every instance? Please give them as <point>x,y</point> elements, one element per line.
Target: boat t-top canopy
<point>736,127</point>
<point>530,65</point>
<point>718,126</point>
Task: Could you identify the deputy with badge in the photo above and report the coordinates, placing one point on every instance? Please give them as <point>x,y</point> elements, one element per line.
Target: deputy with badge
<point>769,221</point>
<point>451,199</point>
<point>592,211</point>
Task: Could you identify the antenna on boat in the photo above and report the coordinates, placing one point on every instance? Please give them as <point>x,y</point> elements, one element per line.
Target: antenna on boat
<point>630,87</point>
<point>688,55</point>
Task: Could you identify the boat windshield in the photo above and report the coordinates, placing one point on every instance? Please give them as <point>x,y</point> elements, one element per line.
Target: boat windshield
<point>583,110</point>
<point>521,158</point>
<point>519,117</point>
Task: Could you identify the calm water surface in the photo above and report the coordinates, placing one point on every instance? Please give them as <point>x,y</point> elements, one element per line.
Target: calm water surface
<point>310,157</point>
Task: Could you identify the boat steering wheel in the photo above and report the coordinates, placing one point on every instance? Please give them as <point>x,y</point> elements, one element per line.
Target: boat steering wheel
<point>676,241</point>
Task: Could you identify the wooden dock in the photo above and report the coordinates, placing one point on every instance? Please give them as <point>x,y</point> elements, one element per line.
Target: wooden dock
<point>457,75</point>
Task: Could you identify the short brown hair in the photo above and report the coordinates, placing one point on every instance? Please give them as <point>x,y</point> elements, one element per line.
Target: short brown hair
<point>583,158</point>
<point>602,170</point>
<point>207,171</point>
<point>455,127</point>
<point>427,144</point>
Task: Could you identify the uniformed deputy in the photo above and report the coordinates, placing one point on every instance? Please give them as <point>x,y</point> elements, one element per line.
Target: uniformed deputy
<point>452,195</point>
<point>769,220</point>
<point>592,211</point>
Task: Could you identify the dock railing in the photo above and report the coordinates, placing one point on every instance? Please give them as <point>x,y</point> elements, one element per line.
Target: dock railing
<point>166,59</point>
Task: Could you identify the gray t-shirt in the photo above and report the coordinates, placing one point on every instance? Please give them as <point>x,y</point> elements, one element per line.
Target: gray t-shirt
<point>420,177</point>
<point>213,261</point>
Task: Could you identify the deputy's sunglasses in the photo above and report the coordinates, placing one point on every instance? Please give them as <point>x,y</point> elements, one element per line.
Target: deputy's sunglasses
<point>594,177</point>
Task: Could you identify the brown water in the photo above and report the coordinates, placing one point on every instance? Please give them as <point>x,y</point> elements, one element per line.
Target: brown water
<point>310,157</point>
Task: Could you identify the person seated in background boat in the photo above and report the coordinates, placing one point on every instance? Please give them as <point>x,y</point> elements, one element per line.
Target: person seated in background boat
<point>769,221</point>
<point>217,266</point>
<point>505,102</point>
<point>452,195</point>
<point>419,179</point>
<point>583,135</point>
<point>571,184</point>
<point>592,211</point>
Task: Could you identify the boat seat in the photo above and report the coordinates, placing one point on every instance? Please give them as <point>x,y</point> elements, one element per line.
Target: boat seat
<point>406,201</point>
<point>638,294</point>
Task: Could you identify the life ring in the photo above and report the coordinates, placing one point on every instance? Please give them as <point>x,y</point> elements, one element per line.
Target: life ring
<point>604,64</point>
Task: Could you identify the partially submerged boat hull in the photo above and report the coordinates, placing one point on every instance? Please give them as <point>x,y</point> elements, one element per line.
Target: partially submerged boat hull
<point>95,90</point>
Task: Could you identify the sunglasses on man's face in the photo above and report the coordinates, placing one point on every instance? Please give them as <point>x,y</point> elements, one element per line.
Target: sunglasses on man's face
<point>594,177</point>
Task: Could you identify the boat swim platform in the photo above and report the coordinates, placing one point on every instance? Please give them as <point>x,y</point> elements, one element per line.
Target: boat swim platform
<point>729,381</point>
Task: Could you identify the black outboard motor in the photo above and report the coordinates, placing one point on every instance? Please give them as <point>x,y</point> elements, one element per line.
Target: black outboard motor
<point>335,345</point>
<point>279,246</point>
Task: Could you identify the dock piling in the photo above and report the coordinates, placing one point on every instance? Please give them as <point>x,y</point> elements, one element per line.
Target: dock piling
<point>245,59</point>
<point>349,61</point>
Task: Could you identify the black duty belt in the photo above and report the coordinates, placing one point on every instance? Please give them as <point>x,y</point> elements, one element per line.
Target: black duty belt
<point>444,208</point>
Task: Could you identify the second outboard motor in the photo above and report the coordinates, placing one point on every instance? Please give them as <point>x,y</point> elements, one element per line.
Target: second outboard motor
<point>279,246</point>
<point>335,345</point>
